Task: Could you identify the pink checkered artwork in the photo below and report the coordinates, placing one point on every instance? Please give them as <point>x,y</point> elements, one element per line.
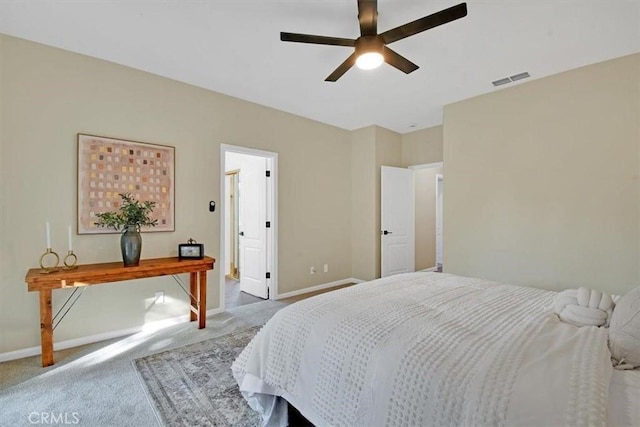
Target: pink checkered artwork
<point>108,166</point>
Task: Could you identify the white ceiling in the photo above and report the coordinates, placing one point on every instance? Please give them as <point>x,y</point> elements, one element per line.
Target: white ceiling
<point>233,47</point>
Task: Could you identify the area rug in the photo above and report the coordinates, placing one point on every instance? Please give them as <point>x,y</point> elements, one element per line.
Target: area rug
<point>193,385</point>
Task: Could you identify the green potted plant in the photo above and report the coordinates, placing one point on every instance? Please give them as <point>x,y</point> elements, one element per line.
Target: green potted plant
<point>130,217</point>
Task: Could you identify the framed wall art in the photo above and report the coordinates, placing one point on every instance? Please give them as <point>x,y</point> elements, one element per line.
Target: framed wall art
<point>110,166</point>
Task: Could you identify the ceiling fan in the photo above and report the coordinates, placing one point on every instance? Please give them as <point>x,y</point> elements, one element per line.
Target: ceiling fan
<point>371,48</point>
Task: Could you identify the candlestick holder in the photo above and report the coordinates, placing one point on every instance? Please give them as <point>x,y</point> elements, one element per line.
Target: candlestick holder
<point>70,261</point>
<point>49,267</point>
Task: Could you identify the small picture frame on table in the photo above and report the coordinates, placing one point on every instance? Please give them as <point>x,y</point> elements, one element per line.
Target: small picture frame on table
<point>191,250</point>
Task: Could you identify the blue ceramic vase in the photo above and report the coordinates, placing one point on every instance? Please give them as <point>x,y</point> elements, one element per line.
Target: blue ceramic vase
<point>131,246</point>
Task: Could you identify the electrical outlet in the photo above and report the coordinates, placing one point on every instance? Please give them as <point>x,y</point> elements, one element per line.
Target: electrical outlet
<point>160,297</point>
<point>326,268</point>
<point>312,270</point>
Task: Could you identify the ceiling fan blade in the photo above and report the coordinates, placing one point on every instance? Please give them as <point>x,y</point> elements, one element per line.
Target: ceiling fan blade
<point>342,68</point>
<point>423,24</point>
<point>396,60</point>
<point>368,17</point>
<point>308,38</point>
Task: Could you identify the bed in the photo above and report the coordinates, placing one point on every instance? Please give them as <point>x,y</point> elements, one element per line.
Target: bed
<point>426,349</point>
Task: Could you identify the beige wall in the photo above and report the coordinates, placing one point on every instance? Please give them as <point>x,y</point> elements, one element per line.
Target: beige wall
<point>422,146</point>
<point>4,250</point>
<point>363,194</point>
<point>541,181</point>
<point>372,147</point>
<point>425,197</point>
<point>49,95</point>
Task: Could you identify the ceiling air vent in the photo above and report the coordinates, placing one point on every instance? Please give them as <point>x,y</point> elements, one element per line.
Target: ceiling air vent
<point>513,78</point>
<point>502,81</point>
<point>519,76</point>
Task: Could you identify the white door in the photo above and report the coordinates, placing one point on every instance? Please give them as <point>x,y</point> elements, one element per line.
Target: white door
<point>439,204</point>
<point>253,215</point>
<point>397,219</point>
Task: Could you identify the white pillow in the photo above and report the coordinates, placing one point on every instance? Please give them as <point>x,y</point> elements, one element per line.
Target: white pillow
<point>624,330</point>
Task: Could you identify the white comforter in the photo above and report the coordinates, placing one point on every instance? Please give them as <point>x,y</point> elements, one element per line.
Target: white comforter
<point>426,349</point>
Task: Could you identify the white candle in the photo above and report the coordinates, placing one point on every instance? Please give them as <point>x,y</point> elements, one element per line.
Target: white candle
<point>48,236</point>
<point>70,245</point>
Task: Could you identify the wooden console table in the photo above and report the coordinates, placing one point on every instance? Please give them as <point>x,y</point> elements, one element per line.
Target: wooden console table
<point>95,274</point>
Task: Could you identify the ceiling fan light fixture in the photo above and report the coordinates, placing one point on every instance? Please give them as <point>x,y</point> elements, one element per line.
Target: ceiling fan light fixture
<point>371,47</point>
<point>369,60</point>
<point>369,50</point>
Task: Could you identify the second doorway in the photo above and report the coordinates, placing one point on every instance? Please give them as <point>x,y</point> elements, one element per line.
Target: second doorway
<point>249,225</point>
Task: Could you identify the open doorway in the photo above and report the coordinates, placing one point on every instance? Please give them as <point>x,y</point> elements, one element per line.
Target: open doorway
<point>397,220</point>
<point>425,183</point>
<point>428,216</point>
<point>248,270</point>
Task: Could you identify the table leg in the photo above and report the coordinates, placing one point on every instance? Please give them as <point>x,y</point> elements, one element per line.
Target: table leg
<point>202,314</point>
<point>46,328</point>
<point>193,285</point>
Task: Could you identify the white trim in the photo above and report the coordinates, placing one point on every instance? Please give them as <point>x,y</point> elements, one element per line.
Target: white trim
<point>272,212</point>
<point>426,166</point>
<point>319,287</point>
<point>75,342</point>
<point>247,150</point>
<point>430,269</point>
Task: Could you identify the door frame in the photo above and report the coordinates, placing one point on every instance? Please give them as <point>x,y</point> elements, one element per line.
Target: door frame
<point>233,237</point>
<point>427,165</point>
<point>272,215</point>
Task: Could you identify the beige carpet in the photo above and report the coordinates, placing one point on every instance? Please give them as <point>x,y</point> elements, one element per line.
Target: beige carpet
<point>97,384</point>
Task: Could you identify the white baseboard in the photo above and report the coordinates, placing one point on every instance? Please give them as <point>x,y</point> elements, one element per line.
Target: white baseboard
<point>430,269</point>
<point>75,342</point>
<point>318,288</point>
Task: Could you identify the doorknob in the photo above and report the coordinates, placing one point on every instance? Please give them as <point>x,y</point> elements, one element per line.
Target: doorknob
<point>385,232</point>
<point>241,233</point>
